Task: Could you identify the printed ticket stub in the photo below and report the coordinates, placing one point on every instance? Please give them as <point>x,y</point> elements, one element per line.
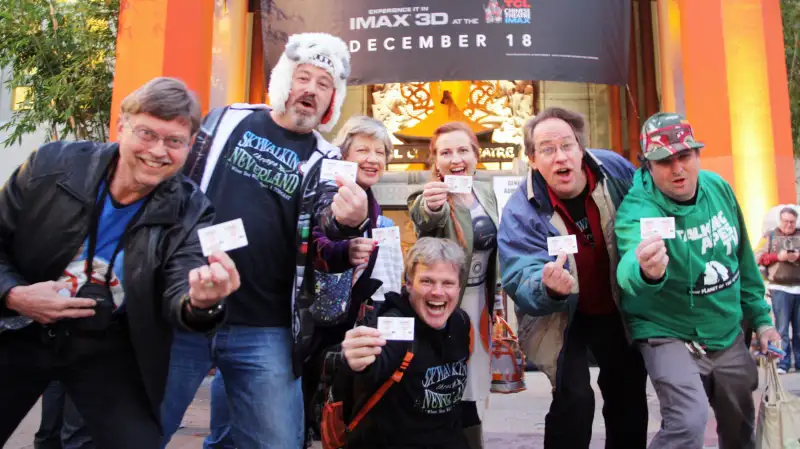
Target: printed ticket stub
<point>222,237</point>
<point>387,236</point>
<point>331,168</point>
<point>458,184</point>
<point>566,244</point>
<point>663,226</point>
<point>396,328</point>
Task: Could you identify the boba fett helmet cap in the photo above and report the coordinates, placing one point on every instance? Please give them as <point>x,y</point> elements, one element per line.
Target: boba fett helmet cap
<point>665,134</point>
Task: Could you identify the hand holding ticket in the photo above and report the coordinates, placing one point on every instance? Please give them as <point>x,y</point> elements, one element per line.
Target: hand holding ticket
<point>556,278</point>
<point>222,237</point>
<point>661,226</point>
<point>458,184</point>
<point>331,168</point>
<point>396,328</point>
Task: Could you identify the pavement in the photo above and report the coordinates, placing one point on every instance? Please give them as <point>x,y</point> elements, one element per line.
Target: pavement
<point>512,421</point>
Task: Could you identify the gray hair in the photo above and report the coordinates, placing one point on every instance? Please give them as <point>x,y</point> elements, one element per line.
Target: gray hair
<point>431,250</point>
<point>363,125</point>
<point>573,119</point>
<point>788,210</point>
<point>165,99</point>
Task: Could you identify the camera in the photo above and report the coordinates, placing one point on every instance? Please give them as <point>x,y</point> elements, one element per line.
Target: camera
<point>103,310</point>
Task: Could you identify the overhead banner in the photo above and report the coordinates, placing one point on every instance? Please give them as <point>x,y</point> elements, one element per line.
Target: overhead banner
<point>443,40</point>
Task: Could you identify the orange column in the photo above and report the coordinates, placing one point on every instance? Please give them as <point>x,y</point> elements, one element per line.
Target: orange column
<point>749,97</point>
<point>705,82</point>
<point>229,49</point>
<point>258,90</point>
<point>732,84</point>
<point>669,38</point>
<point>163,38</point>
<point>779,102</point>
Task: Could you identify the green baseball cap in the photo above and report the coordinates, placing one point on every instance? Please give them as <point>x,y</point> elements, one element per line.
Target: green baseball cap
<point>665,134</point>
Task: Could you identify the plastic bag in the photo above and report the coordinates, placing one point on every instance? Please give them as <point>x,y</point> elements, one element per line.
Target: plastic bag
<point>778,424</point>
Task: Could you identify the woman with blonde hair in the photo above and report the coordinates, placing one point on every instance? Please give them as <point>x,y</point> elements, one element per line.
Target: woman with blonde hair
<point>470,219</point>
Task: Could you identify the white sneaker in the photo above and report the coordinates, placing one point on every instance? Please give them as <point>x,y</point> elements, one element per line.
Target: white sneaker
<point>781,371</point>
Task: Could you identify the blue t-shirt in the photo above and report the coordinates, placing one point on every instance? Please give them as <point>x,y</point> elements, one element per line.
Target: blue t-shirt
<point>113,221</point>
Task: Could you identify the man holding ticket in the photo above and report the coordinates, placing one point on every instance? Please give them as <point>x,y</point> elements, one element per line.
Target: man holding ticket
<point>689,277</point>
<point>557,259</point>
<point>100,260</point>
<point>423,332</point>
<point>264,165</point>
<point>452,206</point>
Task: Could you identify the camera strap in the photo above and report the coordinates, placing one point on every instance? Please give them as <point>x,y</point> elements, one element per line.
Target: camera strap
<point>97,212</point>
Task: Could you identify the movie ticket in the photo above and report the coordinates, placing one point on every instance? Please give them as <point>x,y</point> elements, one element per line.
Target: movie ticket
<point>331,168</point>
<point>396,328</point>
<point>458,184</point>
<point>663,226</point>
<point>387,236</point>
<point>566,244</point>
<point>222,237</point>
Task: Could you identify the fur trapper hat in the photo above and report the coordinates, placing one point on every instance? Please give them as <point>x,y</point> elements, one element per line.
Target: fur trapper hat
<point>321,50</point>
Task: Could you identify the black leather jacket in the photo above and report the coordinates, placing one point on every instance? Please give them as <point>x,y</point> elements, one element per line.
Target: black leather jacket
<point>45,212</point>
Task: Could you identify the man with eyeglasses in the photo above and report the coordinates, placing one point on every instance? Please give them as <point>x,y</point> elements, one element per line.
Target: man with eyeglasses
<point>99,259</point>
<point>568,304</point>
<point>685,293</point>
<point>779,254</point>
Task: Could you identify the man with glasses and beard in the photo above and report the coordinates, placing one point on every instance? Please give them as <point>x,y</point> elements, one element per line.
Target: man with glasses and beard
<point>262,165</point>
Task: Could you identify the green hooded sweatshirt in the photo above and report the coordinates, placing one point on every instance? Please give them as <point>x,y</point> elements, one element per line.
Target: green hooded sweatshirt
<point>712,279</point>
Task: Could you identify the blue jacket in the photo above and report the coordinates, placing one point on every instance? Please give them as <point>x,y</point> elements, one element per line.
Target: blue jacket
<point>528,220</point>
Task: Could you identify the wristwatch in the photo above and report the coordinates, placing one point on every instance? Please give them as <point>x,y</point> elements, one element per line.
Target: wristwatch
<point>206,314</point>
<point>350,231</point>
<point>362,228</point>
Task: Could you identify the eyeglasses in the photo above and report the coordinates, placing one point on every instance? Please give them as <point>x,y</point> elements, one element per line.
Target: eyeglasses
<point>149,137</point>
<point>550,150</point>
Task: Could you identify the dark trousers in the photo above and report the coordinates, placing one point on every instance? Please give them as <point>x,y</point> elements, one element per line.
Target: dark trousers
<point>100,375</point>
<point>622,382</point>
<point>62,426</point>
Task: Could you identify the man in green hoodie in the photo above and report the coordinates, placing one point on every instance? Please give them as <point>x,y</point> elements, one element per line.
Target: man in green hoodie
<point>685,297</point>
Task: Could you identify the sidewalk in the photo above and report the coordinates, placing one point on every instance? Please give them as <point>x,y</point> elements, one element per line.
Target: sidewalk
<point>515,420</point>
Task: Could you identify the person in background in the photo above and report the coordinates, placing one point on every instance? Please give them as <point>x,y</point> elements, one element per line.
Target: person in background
<point>780,255</point>
<point>684,298</point>
<point>469,219</point>
<point>423,409</point>
<point>570,304</point>
<point>61,426</point>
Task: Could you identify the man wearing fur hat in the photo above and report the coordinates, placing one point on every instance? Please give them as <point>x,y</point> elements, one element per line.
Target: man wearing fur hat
<point>262,164</point>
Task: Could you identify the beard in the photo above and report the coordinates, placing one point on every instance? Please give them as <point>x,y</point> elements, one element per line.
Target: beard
<point>302,119</point>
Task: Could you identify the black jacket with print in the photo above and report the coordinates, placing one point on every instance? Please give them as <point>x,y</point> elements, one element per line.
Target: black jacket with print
<point>45,215</point>
<point>423,410</point>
